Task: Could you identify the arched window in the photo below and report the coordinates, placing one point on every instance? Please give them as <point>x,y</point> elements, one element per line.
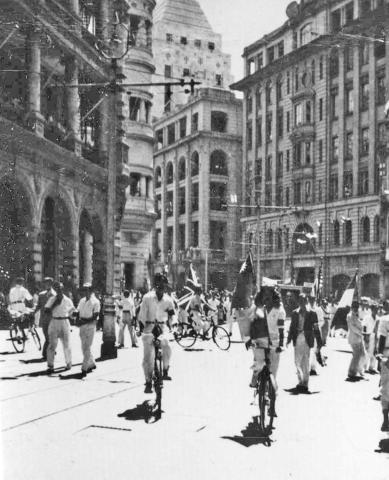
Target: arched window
<point>269,240</point>
<point>169,173</point>
<point>348,232</point>
<point>336,233</point>
<point>218,163</point>
<point>365,225</point>
<point>158,177</point>
<point>194,164</point>
<point>376,229</point>
<point>181,169</point>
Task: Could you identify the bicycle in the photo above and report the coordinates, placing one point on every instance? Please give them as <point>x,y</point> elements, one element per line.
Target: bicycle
<point>156,409</point>
<point>186,335</point>
<point>18,336</point>
<point>265,389</point>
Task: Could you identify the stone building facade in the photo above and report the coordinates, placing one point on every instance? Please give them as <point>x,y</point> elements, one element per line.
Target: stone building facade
<point>315,144</point>
<point>197,171</point>
<point>59,153</point>
<point>185,46</point>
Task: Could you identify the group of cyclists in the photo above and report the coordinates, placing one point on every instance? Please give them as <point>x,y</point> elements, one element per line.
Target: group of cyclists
<point>262,328</point>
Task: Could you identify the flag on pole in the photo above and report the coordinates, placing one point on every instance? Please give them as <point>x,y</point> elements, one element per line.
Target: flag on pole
<point>349,295</point>
<point>317,287</point>
<point>244,284</point>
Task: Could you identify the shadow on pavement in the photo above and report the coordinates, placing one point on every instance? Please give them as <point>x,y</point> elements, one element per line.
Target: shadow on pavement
<point>251,435</point>
<point>141,412</point>
<point>383,446</point>
<point>343,351</point>
<point>8,353</point>
<point>72,376</point>
<point>194,349</point>
<point>33,360</point>
<point>296,391</point>
<point>39,373</point>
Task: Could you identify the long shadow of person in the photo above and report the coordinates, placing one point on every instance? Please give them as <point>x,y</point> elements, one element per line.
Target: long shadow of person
<point>252,434</point>
<point>143,411</point>
<point>383,446</point>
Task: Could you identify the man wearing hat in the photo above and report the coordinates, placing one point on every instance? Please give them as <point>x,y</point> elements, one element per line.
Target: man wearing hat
<point>45,317</point>
<point>60,307</point>
<point>355,339</point>
<point>304,329</point>
<point>156,308</point>
<point>88,310</point>
<point>383,355</point>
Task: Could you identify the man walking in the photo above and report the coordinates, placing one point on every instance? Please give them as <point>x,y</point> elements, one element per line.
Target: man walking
<point>45,317</point>
<point>19,296</point>
<point>355,339</point>
<point>156,308</point>
<point>370,324</point>
<point>128,319</point>
<point>89,310</point>
<point>60,307</point>
<point>304,329</point>
<point>383,355</point>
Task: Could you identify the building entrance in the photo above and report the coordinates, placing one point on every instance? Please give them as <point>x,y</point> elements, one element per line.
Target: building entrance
<point>129,275</point>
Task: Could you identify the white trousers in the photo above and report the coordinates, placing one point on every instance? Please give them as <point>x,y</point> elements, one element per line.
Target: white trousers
<point>87,333</point>
<point>149,354</point>
<point>59,329</point>
<point>371,361</point>
<point>301,360</point>
<point>259,362</point>
<point>127,321</point>
<point>358,359</point>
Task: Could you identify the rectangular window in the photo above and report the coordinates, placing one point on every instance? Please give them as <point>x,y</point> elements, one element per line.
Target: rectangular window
<point>308,157</point>
<point>259,60</point>
<point>195,197</point>
<point>269,128</point>
<point>363,182</point>
<point>298,114</point>
<point>349,95</point>
<point>219,121</point>
<point>218,233</point>
<point>281,50</point>
<point>288,122</point>
<point>364,53</point>
<point>280,123</point>
<point>183,40</point>
<point>186,72</point>
<point>320,109</point>
<point>211,46</point>
<point>336,21</point>
<point>321,151</point>
<point>381,89</point>
<point>321,69</point>
<point>249,135</point>
<point>347,184</point>
<point>379,48</point>
<point>183,127</point>
<point>308,112</point>
<point>279,191</point>
<point>218,196</point>
<point>320,191</point>
<point>365,93</point>
<point>288,160</point>
<point>259,132</point>
<point>349,59</point>
<point>195,123</point>
<point>334,105</point>
<point>333,187</point>
<point>169,38</point>
<point>288,83</point>
<point>364,141</point>
<point>297,155</point>
<point>280,165</point>
<point>270,54</point>
<point>171,133</point>
<point>382,133</point>
<point>195,234</point>
<point>287,197</point>
<point>159,138</point>
<point>335,149</point>
<point>349,145</point>
<point>169,204</point>
<point>334,64</point>
<point>279,90</point>
<point>168,71</point>
<point>219,80</point>
<point>268,196</point>
<point>297,193</point>
<point>181,201</point>
<point>197,43</point>
<point>268,172</point>
<point>349,12</point>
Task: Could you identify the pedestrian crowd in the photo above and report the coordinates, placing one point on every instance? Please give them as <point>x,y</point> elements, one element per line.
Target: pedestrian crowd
<point>262,327</point>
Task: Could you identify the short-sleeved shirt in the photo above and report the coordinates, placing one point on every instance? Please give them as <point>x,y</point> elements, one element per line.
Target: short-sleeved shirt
<point>153,310</point>
<point>18,295</point>
<point>87,308</point>
<point>61,311</point>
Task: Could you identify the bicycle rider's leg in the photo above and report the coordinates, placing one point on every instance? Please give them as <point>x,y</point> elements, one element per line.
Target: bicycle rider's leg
<point>274,364</point>
<point>166,353</point>
<point>259,362</point>
<point>148,356</point>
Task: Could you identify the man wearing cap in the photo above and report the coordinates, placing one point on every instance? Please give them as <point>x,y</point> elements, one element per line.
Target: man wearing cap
<point>128,318</point>
<point>304,329</point>
<point>45,317</point>
<point>19,296</point>
<point>88,310</point>
<point>383,355</point>
<point>355,339</point>
<point>60,307</point>
<point>156,308</point>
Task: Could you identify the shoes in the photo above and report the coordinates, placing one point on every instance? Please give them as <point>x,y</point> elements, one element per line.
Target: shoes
<point>378,398</point>
<point>121,346</point>
<point>166,375</point>
<point>302,388</point>
<point>67,368</point>
<point>135,346</point>
<point>148,387</point>
<point>90,369</point>
<point>372,371</point>
<point>385,427</point>
<point>83,373</point>
<point>50,370</point>
<point>313,373</point>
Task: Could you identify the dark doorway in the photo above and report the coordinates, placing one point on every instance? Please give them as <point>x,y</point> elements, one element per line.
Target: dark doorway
<point>129,275</point>
<point>306,274</point>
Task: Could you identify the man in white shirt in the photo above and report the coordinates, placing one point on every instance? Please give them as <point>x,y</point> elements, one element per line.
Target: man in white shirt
<point>61,308</point>
<point>369,324</point>
<point>45,318</point>
<point>18,296</point>
<point>314,351</point>
<point>156,308</point>
<point>213,302</point>
<point>128,319</point>
<point>383,355</point>
<point>88,310</point>
<point>355,339</point>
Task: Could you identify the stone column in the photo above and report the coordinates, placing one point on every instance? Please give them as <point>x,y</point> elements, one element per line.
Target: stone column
<point>102,132</point>
<point>33,61</point>
<point>72,104</point>
<point>341,124</point>
<point>372,118</point>
<point>204,186</point>
<point>356,124</point>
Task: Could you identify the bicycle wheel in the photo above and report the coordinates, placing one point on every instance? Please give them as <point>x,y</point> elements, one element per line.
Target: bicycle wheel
<point>221,338</point>
<point>158,385</point>
<point>17,338</point>
<point>185,338</point>
<point>266,402</point>
<point>36,337</point>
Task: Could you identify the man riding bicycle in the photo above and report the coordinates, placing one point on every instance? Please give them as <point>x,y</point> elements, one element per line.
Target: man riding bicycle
<point>156,309</point>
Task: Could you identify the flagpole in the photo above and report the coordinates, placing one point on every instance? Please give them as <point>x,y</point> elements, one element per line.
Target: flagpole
<point>258,247</point>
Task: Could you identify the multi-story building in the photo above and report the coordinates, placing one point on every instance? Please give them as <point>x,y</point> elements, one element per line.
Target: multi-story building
<point>197,171</point>
<point>185,46</point>
<point>63,167</point>
<point>314,138</point>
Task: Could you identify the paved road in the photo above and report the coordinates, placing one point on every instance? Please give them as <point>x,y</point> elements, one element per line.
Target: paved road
<point>66,428</point>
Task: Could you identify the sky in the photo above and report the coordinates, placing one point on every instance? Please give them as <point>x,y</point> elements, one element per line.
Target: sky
<point>243,22</point>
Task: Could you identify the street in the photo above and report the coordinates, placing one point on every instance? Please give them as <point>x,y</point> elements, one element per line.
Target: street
<point>67,428</point>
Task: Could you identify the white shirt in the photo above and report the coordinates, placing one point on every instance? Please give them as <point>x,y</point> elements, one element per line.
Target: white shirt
<point>273,324</point>
<point>213,303</point>
<point>383,330</point>
<point>354,328</point>
<point>17,296</point>
<point>152,310</point>
<point>63,310</point>
<point>127,305</point>
<point>369,323</point>
<point>87,308</point>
